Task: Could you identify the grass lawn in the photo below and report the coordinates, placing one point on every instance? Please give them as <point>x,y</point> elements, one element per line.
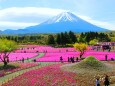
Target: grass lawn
<point>14,66</point>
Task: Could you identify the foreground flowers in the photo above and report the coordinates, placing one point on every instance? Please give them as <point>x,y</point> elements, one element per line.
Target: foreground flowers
<point>46,76</point>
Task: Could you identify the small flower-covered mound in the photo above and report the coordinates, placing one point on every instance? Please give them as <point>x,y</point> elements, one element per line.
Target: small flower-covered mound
<point>91,62</point>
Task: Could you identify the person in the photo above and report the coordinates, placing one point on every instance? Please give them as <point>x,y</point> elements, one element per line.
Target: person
<point>103,49</point>
<point>106,82</point>
<point>77,59</point>
<point>97,82</point>
<point>73,60</point>
<point>109,49</point>
<point>68,59</point>
<point>34,60</point>
<point>61,59</point>
<point>23,60</point>
<point>106,57</point>
<point>80,56</point>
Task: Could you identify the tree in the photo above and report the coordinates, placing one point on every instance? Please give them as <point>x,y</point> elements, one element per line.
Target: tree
<point>51,40</point>
<point>81,47</point>
<point>80,39</point>
<point>58,39</point>
<point>72,37</point>
<point>112,39</point>
<point>67,38</point>
<point>93,42</point>
<point>62,38</point>
<point>6,47</point>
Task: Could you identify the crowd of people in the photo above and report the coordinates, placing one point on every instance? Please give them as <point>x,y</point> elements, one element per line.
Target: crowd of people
<point>106,81</point>
<point>70,59</point>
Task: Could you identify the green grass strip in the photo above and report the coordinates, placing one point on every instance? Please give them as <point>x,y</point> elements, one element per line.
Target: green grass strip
<point>31,59</point>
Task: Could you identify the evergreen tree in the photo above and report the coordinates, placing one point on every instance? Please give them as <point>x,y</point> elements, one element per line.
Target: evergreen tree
<point>62,38</point>
<point>72,37</point>
<point>58,39</point>
<point>51,40</point>
<point>67,38</point>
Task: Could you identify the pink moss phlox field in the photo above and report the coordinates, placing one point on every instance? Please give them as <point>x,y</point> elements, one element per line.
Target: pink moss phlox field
<point>19,56</point>
<point>46,76</point>
<point>56,56</point>
<point>48,49</point>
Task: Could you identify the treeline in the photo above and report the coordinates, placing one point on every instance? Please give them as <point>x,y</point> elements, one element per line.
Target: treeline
<point>59,39</point>
<point>62,38</point>
<point>26,39</point>
<point>88,36</point>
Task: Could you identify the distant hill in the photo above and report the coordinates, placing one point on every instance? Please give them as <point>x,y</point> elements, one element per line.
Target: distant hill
<point>65,21</point>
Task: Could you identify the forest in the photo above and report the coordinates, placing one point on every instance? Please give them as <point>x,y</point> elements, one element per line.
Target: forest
<point>61,39</point>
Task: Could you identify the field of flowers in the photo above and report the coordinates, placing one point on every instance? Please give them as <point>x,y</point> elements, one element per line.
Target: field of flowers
<point>46,76</point>
<point>48,49</point>
<point>52,57</point>
<point>52,75</point>
<point>54,54</point>
<point>20,56</point>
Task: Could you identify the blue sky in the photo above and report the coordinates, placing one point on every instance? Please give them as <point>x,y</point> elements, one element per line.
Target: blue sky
<point>16,14</point>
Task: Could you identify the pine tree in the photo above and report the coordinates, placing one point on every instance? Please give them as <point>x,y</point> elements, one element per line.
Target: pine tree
<point>72,37</point>
<point>58,39</point>
<point>51,40</point>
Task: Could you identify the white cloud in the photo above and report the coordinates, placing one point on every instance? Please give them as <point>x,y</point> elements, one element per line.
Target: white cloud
<point>21,17</point>
<point>102,24</point>
<point>15,25</point>
<point>16,17</point>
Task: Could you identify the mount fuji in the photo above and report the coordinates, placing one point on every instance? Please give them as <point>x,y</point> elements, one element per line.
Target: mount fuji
<point>65,21</point>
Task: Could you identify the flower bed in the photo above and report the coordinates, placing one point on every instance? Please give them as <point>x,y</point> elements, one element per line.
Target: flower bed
<point>46,76</point>
<point>20,56</point>
<point>52,57</point>
<point>48,49</point>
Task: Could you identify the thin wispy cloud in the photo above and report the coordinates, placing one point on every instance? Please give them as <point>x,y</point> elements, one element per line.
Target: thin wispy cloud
<point>102,24</point>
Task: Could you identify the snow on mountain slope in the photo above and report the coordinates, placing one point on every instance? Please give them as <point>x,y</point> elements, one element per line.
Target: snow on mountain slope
<point>65,16</point>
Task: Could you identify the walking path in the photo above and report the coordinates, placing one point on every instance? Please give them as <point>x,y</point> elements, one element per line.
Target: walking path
<point>31,59</point>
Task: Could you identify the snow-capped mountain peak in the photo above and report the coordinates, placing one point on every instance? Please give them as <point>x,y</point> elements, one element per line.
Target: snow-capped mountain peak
<point>65,21</point>
<point>65,16</point>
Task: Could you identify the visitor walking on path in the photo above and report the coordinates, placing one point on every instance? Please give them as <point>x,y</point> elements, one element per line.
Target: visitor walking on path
<point>97,82</point>
<point>77,59</point>
<point>22,59</point>
<point>106,82</point>
<point>106,57</point>
<point>61,59</point>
